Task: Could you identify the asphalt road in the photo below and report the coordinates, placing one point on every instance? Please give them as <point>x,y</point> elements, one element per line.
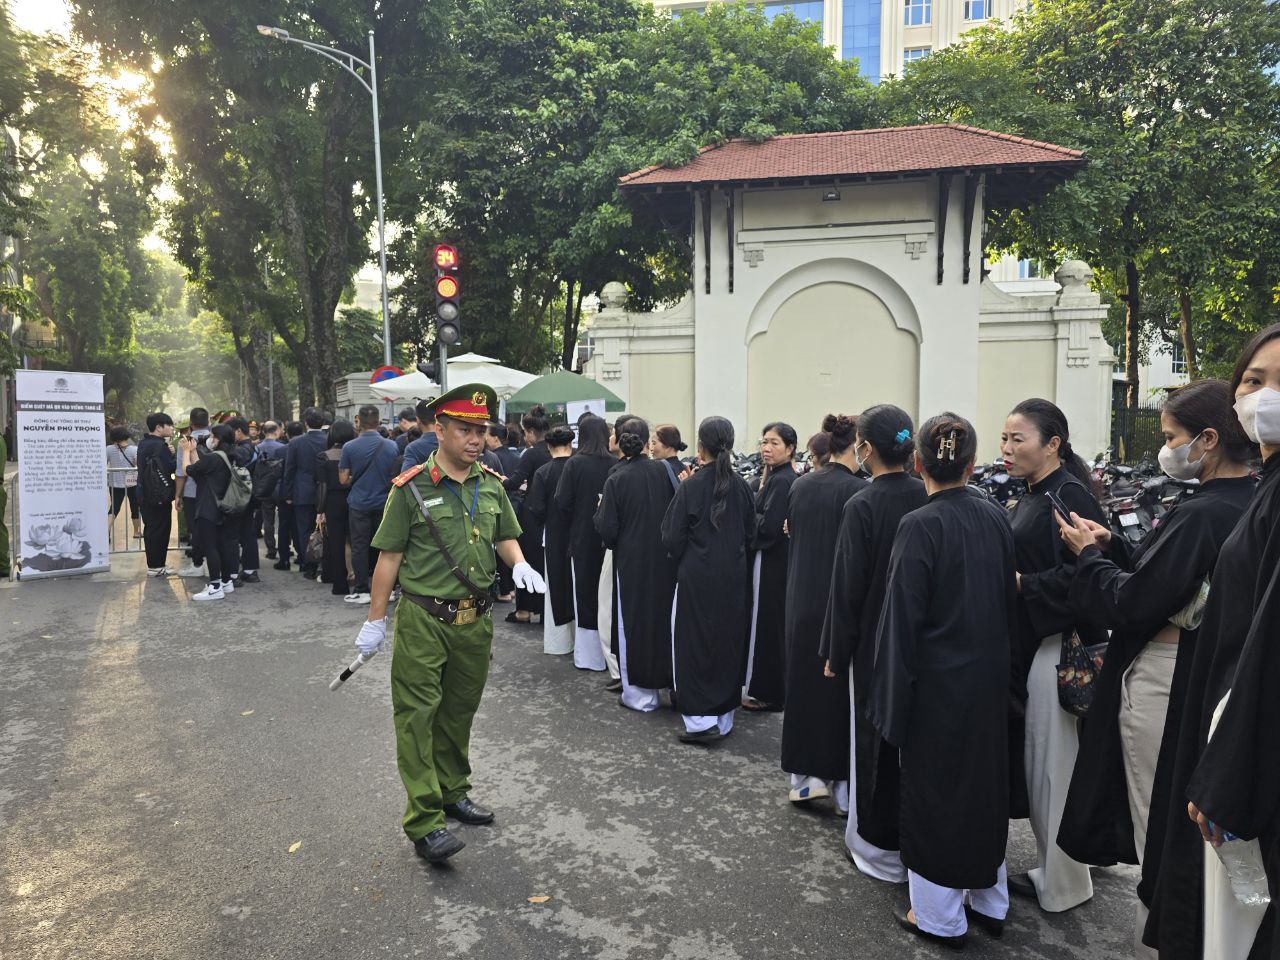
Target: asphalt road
<point>176,781</point>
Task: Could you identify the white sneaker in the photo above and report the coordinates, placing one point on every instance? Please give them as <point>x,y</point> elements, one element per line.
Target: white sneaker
<point>356,598</point>
<point>395,594</point>
<point>228,586</point>
<point>159,572</point>
<point>811,789</point>
<point>212,592</point>
<point>190,570</point>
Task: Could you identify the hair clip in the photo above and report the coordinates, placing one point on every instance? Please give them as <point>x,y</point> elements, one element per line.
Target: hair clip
<point>947,445</point>
<point>903,434</point>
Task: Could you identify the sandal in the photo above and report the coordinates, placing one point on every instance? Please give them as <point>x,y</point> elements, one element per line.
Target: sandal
<point>754,705</point>
<point>512,618</point>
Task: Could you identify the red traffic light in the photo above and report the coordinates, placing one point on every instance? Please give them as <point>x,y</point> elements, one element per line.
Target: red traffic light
<point>446,257</point>
<point>446,287</point>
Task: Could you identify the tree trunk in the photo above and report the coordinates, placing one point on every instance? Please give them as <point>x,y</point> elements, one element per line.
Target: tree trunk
<point>1185,331</point>
<point>1132,333</point>
<point>570,345</point>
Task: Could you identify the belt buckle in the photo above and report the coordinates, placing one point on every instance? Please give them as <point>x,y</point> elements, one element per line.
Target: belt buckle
<point>465,617</point>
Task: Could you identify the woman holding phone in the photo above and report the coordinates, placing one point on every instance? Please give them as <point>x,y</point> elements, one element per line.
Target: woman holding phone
<point>1152,598</point>
<point>1036,445</point>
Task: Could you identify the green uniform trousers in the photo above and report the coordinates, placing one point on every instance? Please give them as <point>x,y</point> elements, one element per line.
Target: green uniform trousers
<point>437,676</point>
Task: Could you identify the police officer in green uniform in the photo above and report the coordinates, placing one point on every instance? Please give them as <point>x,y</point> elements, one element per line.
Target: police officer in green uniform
<point>442,523</point>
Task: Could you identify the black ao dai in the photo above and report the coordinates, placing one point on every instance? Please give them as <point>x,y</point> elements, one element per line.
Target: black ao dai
<point>1235,781</point>
<point>629,521</point>
<point>709,642</point>
<point>578,495</point>
<point>545,514</point>
<point>766,681</point>
<point>815,727</point>
<point>859,581</point>
<point>940,685</point>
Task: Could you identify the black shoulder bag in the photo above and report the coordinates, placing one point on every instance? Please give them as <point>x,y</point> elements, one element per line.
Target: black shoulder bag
<point>1079,665</point>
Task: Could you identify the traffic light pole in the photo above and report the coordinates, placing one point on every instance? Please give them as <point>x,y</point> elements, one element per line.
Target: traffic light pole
<point>444,368</point>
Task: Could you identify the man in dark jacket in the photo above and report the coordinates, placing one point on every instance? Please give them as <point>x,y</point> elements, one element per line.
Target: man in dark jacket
<point>270,448</point>
<point>157,518</point>
<point>300,483</point>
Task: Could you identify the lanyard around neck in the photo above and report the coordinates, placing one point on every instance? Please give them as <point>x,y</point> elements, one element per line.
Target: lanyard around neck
<point>475,499</point>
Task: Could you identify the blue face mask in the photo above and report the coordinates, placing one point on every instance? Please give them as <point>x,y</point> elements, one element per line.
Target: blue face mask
<point>862,464</point>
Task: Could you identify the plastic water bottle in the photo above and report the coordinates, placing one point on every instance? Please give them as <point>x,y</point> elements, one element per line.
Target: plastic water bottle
<point>1242,859</point>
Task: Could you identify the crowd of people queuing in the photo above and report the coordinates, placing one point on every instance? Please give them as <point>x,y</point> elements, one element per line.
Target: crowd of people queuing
<point>922,642</point>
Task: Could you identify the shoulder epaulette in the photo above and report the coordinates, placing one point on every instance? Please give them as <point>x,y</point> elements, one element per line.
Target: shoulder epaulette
<point>489,470</point>
<point>409,474</point>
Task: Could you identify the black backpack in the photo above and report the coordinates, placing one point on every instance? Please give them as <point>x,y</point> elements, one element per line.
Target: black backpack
<point>266,478</point>
<point>157,488</point>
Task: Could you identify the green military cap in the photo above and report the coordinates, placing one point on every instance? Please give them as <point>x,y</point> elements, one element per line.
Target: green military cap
<point>474,403</point>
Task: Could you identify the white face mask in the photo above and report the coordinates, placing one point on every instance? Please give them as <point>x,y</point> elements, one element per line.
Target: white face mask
<point>1176,462</point>
<point>212,443</point>
<point>1259,415</point>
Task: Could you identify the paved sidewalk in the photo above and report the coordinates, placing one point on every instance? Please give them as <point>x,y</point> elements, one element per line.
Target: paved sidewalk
<point>176,781</point>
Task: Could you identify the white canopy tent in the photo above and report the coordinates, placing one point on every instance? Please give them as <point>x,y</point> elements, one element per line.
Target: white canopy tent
<point>464,368</point>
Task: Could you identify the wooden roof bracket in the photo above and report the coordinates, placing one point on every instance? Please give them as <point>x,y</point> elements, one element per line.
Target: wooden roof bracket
<point>944,200</point>
<point>728,202</point>
<point>970,202</point>
<point>706,237</point>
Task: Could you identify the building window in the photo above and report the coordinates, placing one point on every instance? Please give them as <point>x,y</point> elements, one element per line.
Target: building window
<point>861,36</point>
<point>918,13</point>
<point>1028,269</point>
<point>1179,364</point>
<point>911,54</point>
<point>976,9</point>
<point>809,11</point>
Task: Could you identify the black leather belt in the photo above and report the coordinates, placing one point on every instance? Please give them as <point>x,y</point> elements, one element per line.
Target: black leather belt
<point>455,613</point>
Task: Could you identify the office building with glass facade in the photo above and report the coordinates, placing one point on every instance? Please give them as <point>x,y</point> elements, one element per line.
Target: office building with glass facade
<point>882,35</point>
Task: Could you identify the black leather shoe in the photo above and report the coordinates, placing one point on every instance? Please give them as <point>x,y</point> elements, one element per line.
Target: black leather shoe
<point>954,943</point>
<point>280,565</point>
<point>614,686</point>
<point>710,735</point>
<point>464,811</point>
<point>271,554</point>
<point>250,577</point>
<point>1020,885</point>
<point>437,846</point>
<point>994,928</point>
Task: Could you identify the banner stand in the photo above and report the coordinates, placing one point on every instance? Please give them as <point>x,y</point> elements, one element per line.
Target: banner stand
<point>62,478</point>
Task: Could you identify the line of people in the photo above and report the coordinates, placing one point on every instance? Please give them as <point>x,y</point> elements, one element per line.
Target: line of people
<point>925,644</point>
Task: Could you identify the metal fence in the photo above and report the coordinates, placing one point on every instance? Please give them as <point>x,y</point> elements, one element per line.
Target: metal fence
<point>1135,432</point>
<point>124,530</point>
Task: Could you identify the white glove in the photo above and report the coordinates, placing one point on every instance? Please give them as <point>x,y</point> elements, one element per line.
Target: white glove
<point>373,634</point>
<point>527,578</point>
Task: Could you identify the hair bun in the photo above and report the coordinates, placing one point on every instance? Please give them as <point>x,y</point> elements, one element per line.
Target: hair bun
<point>630,444</point>
<point>537,410</point>
<point>681,447</point>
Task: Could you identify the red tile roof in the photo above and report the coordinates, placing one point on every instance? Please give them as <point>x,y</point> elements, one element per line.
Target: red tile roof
<point>858,153</point>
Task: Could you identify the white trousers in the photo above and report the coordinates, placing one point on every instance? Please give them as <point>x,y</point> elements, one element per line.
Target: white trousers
<point>556,641</point>
<point>1230,927</point>
<point>604,615</point>
<point>883,865</point>
<point>940,910</point>
<point>636,698</point>
<point>755,618</point>
<point>1144,702</point>
<point>586,644</point>
<point>1050,756</point>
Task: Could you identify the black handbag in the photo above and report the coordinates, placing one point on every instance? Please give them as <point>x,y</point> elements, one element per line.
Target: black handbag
<point>1078,670</point>
<point>1078,665</point>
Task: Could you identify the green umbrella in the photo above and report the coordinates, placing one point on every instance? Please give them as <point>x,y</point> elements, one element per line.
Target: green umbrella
<point>556,389</point>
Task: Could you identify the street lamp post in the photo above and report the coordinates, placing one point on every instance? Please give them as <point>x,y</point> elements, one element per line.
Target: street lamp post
<point>349,62</point>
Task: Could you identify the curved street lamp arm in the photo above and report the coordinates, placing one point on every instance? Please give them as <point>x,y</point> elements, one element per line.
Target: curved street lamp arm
<point>346,61</point>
